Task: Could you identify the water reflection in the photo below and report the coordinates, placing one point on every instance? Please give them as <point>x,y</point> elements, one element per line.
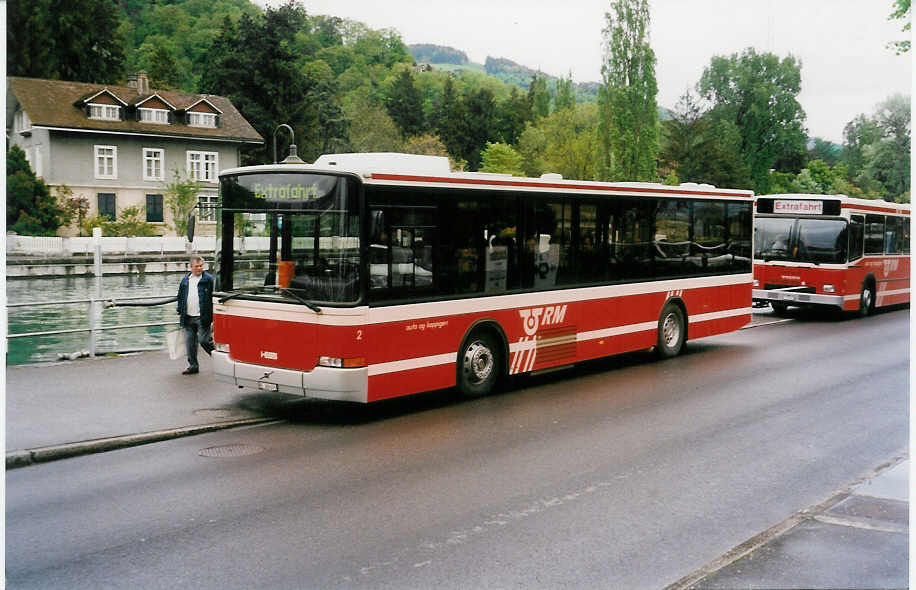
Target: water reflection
<point>61,317</point>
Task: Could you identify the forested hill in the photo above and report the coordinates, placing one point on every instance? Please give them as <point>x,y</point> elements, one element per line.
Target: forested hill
<point>450,59</point>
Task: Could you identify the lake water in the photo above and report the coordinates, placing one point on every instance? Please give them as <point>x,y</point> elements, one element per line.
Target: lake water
<point>59,317</point>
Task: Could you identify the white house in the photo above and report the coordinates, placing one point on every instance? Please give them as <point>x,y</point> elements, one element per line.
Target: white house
<point>118,146</point>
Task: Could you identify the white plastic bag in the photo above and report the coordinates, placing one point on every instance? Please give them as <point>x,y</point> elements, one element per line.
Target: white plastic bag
<point>176,340</point>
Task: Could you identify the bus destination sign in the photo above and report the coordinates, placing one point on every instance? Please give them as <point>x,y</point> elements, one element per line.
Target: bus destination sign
<point>803,207</point>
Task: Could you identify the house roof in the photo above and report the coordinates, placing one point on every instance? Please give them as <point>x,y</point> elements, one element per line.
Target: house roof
<point>56,103</point>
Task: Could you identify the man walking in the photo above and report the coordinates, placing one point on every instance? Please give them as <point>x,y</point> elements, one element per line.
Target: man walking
<point>195,311</point>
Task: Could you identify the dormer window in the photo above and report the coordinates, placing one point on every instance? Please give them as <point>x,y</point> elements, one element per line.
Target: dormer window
<point>202,119</point>
<point>160,116</point>
<point>104,112</point>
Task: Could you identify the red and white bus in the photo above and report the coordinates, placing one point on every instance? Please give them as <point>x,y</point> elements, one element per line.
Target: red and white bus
<point>389,274</point>
<point>831,250</point>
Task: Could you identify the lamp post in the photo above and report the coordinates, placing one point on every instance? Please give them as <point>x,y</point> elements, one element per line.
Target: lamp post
<point>292,158</point>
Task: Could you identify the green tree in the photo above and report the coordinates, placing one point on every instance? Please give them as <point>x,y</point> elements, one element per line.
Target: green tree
<point>563,143</point>
<point>75,40</point>
<point>700,149</point>
<point>181,198</point>
<point>449,119</point>
<point>758,93</point>
<point>500,157</point>
<point>405,104</point>
<point>514,112</point>
<point>30,208</point>
<point>857,134</point>
<point>901,12</point>
<point>370,129</point>
<point>628,117</point>
<point>538,97</point>
<point>565,94</point>
<point>253,65</point>
<point>481,125</point>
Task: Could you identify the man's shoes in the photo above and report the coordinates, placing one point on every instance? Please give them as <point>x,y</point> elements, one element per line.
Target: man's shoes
<point>190,371</point>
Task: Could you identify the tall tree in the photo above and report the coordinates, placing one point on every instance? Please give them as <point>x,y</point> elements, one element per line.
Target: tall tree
<point>480,113</point>
<point>538,97</point>
<point>698,149</point>
<point>514,112</point>
<point>628,117</point>
<point>449,120</point>
<point>74,40</point>
<point>252,64</point>
<point>405,104</point>
<point>564,96</point>
<point>758,93</point>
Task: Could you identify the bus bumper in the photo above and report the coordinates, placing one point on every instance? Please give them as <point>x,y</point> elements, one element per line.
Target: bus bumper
<point>789,297</point>
<point>350,385</point>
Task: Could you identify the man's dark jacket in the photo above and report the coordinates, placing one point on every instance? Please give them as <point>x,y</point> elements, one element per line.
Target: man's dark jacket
<point>205,294</point>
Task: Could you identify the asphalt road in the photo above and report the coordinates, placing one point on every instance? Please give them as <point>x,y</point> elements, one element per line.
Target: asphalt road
<point>626,473</point>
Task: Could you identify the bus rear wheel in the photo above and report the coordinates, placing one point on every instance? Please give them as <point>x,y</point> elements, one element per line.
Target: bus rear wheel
<point>479,365</point>
<point>672,332</point>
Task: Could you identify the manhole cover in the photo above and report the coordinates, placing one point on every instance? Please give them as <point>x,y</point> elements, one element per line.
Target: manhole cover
<point>231,451</point>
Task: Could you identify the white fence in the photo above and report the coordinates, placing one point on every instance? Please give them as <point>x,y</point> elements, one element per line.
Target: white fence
<point>53,246</point>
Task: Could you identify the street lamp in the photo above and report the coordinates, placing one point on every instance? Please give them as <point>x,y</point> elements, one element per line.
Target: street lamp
<point>292,158</point>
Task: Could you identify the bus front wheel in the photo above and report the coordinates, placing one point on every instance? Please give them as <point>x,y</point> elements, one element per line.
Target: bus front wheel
<point>479,365</point>
<point>867,300</point>
<point>672,332</point>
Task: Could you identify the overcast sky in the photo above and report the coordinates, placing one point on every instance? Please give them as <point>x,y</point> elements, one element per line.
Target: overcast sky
<point>846,66</point>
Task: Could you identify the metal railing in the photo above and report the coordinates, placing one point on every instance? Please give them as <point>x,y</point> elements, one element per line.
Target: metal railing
<point>96,306</point>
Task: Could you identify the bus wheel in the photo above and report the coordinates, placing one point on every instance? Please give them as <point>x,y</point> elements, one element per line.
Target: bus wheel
<point>867,300</point>
<point>479,365</point>
<point>672,332</point>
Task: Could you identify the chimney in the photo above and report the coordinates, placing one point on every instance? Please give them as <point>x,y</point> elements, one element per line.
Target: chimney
<point>132,80</point>
<point>142,83</point>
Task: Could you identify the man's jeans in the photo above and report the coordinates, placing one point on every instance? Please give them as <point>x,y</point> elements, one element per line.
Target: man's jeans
<point>194,332</point>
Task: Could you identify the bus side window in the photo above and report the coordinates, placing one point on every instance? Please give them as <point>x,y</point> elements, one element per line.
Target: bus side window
<point>856,237</point>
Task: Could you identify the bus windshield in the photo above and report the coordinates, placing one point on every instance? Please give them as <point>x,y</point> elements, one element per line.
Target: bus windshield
<point>290,235</point>
<point>801,240</point>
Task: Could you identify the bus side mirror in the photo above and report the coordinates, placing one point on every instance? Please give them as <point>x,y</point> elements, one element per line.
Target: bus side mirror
<point>191,222</point>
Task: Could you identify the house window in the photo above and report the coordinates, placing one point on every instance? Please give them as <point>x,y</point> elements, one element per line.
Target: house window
<point>202,119</point>
<point>154,208</point>
<point>203,166</point>
<point>206,208</point>
<point>160,116</point>
<point>152,163</point>
<point>105,112</point>
<point>107,206</point>
<point>106,161</point>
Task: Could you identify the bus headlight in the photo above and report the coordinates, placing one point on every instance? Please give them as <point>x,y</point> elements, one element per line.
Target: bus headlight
<point>341,363</point>
<point>756,283</point>
<point>221,347</point>
<point>829,289</point>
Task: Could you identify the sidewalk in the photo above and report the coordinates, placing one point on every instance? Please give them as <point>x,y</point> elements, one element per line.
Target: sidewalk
<point>65,409</point>
<point>859,538</point>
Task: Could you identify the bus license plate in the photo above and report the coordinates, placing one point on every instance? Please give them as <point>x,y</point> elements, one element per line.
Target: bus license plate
<point>267,386</point>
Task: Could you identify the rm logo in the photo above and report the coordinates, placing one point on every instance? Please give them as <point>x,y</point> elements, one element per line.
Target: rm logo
<point>267,354</point>
<point>525,352</point>
<point>534,318</point>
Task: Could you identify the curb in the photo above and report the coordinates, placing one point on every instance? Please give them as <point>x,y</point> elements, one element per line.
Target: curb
<point>24,458</point>
<point>757,541</point>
